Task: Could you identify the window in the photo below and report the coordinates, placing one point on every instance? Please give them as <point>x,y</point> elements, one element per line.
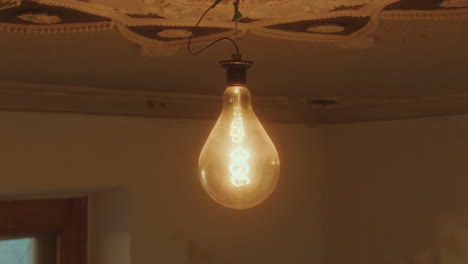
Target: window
<point>16,251</point>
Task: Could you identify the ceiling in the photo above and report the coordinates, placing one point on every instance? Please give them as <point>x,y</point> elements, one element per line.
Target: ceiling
<point>408,60</point>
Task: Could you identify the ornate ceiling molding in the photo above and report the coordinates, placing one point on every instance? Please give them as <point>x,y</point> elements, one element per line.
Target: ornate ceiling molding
<point>4,4</point>
<point>160,27</point>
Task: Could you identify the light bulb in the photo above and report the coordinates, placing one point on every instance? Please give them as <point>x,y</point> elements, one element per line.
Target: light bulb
<point>239,164</point>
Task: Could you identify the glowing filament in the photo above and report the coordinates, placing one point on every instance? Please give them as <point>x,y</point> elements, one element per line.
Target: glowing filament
<point>237,132</point>
<point>239,167</point>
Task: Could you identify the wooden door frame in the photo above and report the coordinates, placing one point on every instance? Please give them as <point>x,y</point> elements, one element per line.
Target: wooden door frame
<point>66,217</point>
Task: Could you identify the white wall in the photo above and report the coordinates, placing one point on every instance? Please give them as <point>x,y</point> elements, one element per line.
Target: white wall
<point>393,191</point>
<point>170,215</point>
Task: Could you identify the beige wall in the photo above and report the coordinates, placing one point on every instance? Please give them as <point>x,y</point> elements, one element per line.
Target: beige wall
<point>109,226</point>
<point>393,191</point>
<point>169,211</point>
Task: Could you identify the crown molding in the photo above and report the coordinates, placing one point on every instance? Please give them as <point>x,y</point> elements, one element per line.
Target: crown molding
<point>17,96</point>
<point>368,110</point>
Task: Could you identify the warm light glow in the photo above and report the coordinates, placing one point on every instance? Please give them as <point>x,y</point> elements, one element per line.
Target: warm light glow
<point>237,132</point>
<point>239,165</point>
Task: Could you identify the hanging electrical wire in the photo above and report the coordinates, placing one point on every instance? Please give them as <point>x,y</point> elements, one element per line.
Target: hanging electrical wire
<point>236,17</point>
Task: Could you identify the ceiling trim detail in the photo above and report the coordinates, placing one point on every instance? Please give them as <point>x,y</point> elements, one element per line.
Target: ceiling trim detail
<point>290,20</point>
<point>17,96</point>
<point>57,29</point>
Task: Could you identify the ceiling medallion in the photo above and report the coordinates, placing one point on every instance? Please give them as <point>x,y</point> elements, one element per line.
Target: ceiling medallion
<point>255,9</point>
<point>160,27</point>
<point>247,4</point>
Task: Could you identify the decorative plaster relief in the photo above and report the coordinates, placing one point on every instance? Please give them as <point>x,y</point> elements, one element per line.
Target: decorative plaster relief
<point>454,3</point>
<point>39,18</point>
<point>160,27</point>
<point>251,8</point>
<point>4,4</point>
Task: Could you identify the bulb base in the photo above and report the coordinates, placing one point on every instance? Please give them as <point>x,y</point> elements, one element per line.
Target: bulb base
<point>236,70</point>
